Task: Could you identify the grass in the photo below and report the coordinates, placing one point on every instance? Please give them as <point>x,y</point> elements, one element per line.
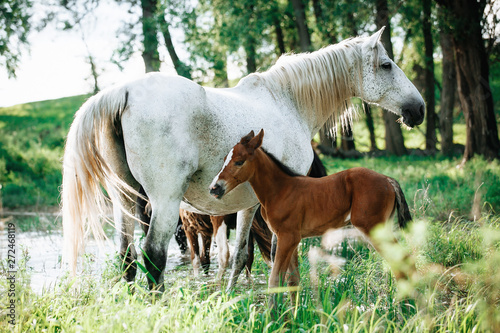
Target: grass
<point>450,295</point>
<point>32,140</point>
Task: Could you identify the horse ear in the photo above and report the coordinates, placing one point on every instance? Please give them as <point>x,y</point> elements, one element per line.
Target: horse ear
<point>244,140</point>
<point>256,142</point>
<point>375,38</point>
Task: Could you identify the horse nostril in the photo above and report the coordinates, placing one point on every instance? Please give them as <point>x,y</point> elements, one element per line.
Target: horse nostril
<point>422,110</point>
<point>214,188</point>
<point>217,191</point>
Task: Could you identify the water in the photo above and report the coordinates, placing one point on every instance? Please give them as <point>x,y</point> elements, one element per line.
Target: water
<point>44,250</point>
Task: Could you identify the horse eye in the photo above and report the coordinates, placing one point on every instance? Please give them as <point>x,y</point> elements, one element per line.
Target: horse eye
<point>386,65</point>
<point>239,163</point>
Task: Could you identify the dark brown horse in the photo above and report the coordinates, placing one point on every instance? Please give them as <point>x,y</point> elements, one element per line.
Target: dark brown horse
<point>207,226</point>
<point>193,225</point>
<point>297,207</point>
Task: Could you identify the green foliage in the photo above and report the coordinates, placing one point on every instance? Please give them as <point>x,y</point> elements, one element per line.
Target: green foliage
<point>32,140</point>
<point>15,18</point>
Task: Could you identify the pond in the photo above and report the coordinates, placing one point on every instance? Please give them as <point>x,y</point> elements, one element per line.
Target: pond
<point>43,249</point>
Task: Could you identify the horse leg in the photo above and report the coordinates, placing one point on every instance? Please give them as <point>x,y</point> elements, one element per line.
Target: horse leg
<point>243,225</point>
<point>274,242</point>
<point>163,224</point>
<point>286,249</point>
<point>220,232</point>
<point>180,237</point>
<point>142,211</point>
<point>293,278</point>
<point>206,241</point>
<point>194,246</point>
<point>251,249</point>
<point>128,254</point>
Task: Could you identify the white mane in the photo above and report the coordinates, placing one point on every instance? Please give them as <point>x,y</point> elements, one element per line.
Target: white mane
<point>321,83</point>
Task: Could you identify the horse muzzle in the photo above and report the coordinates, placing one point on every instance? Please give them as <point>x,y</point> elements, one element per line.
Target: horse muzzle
<point>413,113</point>
<point>217,190</point>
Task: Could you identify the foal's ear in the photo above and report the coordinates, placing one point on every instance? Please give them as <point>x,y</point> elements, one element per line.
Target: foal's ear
<point>246,139</point>
<point>375,38</point>
<point>256,142</point>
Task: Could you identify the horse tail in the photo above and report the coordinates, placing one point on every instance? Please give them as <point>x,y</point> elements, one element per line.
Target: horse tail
<point>404,216</point>
<point>262,235</point>
<point>86,172</point>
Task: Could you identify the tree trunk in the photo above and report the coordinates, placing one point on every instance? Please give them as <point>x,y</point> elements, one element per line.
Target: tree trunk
<point>276,19</point>
<point>447,94</point>
<point>251,54</point>
<point>430,99</point>
<point>93,71</point>
<point>394,141</point>
<point>371,126</point>
<point>472,71</point>
<point>321,25</point>
<point>181,68</point>
<point>301,22</point>
<point>150,41</point>
<point>347,141</point>
<point>328,142</point>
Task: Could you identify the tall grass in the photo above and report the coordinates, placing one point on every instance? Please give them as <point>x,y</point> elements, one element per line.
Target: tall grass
<point>457,291</point>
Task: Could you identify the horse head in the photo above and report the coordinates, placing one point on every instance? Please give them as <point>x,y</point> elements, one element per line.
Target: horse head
<point>237,166</point>
<point>385,84</point>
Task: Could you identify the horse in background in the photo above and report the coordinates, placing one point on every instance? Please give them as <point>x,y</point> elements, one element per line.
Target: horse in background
<point>297,207</point>
<point>169,134</point>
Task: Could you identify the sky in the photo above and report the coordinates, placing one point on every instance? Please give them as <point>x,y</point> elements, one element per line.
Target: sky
<point>55,65</point>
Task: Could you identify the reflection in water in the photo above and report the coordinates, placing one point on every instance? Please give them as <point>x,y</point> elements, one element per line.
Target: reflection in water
<point>45,251</point>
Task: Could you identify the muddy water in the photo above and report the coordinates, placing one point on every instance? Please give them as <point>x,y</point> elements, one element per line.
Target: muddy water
<point>44,250</point>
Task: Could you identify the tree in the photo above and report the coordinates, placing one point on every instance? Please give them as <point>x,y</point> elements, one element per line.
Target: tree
<point>394,141</point>
<point>275,18</point>
<point>449,87</point>
<point>15,18</point>
<point>352,17</point>
<point>430,99</point>
<point>326,24</point>
<point>302,28</point>
<point>464,18</point>
<point>164,28</point>
<point>149,34</point>
<point>154,25</point>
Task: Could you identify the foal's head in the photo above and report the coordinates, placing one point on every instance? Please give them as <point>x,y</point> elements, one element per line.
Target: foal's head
<point>237,166</point>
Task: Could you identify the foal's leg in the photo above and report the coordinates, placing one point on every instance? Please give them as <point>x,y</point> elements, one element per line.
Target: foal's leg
<point>220,232</point>
<point>293,278</point>
<point>293,269</point>
<point>251,250</point>
<point>274,242</point>
<point>194,246</point>
<point>206,241</point>
<point>285,251</point>
<point>243,225</point>
<point>285,259</point>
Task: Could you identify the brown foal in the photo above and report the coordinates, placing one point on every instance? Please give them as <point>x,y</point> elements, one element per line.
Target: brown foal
<point>297,207</point>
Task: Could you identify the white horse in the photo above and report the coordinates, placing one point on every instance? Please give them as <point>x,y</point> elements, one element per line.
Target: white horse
<point>169,135</point>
